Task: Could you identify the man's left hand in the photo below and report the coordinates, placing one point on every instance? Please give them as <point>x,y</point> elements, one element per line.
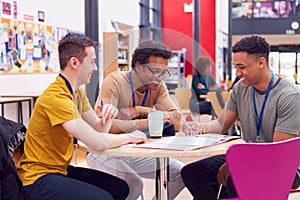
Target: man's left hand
<point>127,113</point>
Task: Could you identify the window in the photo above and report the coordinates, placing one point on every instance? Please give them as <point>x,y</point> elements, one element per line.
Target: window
<point>150,19</point>
<point>283,63</point>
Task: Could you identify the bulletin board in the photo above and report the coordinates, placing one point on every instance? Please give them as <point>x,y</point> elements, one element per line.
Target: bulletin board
<point>28,47</point>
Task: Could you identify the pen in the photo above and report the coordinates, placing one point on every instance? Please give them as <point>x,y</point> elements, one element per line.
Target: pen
<point>102,105</point>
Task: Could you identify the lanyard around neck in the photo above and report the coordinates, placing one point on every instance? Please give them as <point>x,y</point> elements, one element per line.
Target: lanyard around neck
<point>67,83</point>
<point>259,120</point>
<point>205,82</point>
<point>71,90</point>
<point>132,92</point>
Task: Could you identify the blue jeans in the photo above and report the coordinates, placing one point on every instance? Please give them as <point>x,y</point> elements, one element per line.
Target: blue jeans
<point>202,107</point>
<point>80,183</point>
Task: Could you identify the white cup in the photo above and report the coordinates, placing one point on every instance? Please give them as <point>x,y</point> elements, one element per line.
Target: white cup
<point>155,124</point>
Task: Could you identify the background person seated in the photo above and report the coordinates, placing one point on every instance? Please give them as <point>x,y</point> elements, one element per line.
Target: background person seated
<point>202,83</point>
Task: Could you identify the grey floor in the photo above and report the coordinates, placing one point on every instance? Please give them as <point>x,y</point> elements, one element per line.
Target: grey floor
<point>149,191</point>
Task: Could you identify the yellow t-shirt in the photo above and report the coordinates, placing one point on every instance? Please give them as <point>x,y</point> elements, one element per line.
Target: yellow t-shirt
<point>48,146</point>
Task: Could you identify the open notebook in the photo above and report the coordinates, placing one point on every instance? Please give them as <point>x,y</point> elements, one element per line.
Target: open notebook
<point>187,142</point>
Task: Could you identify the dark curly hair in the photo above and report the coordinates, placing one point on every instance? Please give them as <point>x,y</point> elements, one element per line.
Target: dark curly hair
<point>253,45</point>
<point>149,48</point>
<point>73,45</point>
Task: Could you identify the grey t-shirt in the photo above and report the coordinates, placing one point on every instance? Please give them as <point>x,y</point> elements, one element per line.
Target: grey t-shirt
<point>281,113</point>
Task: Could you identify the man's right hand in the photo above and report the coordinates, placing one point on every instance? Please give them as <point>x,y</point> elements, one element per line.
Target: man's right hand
<point>191,128</point>
<point>127,113</point>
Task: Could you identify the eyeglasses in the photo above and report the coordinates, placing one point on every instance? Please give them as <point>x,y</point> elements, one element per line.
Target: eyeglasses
<point>158,75</point>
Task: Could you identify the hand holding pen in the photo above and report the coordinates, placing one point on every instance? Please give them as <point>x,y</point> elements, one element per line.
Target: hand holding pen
<point>108,111</point>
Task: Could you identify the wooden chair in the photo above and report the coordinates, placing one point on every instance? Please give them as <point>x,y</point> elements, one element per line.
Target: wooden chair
<point>218,100</point>
<point>189,79</point>
<point>263,171</point>
<point>295,78</point>
<point>183,96</point>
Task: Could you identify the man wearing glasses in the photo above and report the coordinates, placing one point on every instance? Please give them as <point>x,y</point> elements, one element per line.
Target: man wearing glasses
<point>137,93</point>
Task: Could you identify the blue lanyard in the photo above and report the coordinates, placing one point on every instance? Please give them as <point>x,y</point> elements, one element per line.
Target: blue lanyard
<point>132,92</point>
<point>67,83</point>
<point>259,121</point>
<point>205,82</point>
<point>71,90</point>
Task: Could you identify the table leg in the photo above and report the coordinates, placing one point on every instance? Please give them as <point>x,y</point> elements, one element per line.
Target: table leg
<point>34,100</point>
<point>30,107</point>
<point>20,112</point>
<point>2,109</point>
<point>162,179</point>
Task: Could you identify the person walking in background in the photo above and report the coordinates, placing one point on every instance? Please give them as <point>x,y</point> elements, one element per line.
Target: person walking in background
<point>63,114</point>
<point>202,83</point>
<point>137,93</point>
<point>267,106</point>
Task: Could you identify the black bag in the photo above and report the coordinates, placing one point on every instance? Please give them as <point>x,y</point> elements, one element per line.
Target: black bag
<point>12,136</point>
<point>168,130</point>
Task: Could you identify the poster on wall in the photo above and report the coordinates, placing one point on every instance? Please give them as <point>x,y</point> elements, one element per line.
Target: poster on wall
<point>28,47</point>
<point>9,9</point>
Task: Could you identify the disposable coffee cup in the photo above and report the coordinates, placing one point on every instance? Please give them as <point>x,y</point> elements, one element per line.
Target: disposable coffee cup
<point>155,124</point>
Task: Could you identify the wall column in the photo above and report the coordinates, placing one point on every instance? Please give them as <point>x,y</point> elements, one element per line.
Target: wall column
<point>92,31</point>
<point>196,29</point>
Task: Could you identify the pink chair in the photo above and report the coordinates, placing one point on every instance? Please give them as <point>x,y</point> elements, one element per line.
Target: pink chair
<point>264,171</point>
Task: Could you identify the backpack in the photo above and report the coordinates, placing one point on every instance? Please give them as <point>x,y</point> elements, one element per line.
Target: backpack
<point>12,136</point>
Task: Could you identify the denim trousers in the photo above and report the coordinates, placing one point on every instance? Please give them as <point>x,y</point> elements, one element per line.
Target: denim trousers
<point>79,183</point>
<point>201,107</point>
<point>133,169</point>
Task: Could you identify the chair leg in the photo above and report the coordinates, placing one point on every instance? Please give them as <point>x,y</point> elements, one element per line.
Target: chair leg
<point>219,192</point>
<point>237,129</point>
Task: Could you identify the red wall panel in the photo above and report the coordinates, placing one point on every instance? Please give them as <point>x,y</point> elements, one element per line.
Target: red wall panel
<point>177,29</point>
<point>208,28</point>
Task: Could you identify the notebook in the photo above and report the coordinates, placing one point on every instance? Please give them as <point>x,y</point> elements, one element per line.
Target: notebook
<point>187,142</point>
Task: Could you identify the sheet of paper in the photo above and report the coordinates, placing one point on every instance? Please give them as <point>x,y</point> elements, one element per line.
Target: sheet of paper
<point>186,142</point>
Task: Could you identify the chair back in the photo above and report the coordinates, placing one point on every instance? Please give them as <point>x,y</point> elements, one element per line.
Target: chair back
<point>189,78</point>
<point>183,96</point>
<point>264,171</point>
<point>218,100</point>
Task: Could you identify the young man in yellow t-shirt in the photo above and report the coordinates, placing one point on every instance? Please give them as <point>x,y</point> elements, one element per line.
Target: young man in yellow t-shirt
<point>61,115</point>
